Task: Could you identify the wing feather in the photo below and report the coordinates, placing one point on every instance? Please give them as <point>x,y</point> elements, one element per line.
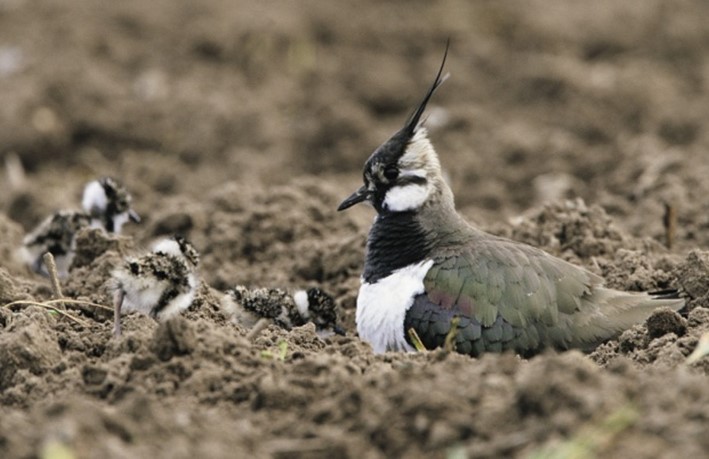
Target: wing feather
<point>512,291</point>
<point>513,296</point>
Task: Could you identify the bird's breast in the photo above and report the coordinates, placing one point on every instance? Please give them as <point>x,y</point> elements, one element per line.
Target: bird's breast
<point>382,306</point>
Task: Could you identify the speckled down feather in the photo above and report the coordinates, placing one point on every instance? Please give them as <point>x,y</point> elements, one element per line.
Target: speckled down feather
<point>286,310</point>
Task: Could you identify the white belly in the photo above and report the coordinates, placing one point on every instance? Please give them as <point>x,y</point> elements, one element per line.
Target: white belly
<point>382,306</point>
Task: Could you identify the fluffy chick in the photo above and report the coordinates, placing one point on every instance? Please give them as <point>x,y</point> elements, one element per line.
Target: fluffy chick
<point>283,308</point>
<point>106,205</point>
<point>57,235</point>
<point>161,283</point>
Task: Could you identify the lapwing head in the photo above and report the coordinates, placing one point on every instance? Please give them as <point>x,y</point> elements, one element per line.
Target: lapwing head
<point>179,247</point>
<point>316,306</point>
<point>108,201</point>
<point>404,172</point>
<point>188,251</point>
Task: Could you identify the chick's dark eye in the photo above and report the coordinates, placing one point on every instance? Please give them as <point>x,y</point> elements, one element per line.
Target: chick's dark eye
<point>391,172</point>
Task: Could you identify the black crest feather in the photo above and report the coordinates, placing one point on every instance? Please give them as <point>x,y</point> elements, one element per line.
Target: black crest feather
<point>414,119</point>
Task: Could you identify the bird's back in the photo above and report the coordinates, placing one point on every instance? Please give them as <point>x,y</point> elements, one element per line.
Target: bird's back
<point>509,295</point>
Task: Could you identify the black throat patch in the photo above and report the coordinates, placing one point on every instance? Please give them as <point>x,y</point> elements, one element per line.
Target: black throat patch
<point>396,240</point>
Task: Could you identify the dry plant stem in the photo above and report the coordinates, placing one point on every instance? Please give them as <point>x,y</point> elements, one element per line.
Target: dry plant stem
<point>416,340</point>
<point>80,302</point>
<point>68,302</point>
<point>86,307</point>
<point>118,297</point>
<point>65,302</point>
<point>449,343</point>
<point>670,222</point>
<point>257,329</point>
<point>47,305</point>
<point>54,277</point>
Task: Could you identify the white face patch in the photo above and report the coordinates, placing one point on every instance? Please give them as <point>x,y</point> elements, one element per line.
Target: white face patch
<point>168,246</point>
<point>413,173</point>
<point>382,306</point>
<point>419,161</point>
<point>406,197</point>
<point>94,200</point>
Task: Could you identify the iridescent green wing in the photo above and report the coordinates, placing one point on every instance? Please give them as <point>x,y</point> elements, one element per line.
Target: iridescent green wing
<point>507,296</point>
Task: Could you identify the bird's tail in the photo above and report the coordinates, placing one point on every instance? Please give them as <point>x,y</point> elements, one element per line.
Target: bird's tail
<point>609,312</point>
<point>669,294</point>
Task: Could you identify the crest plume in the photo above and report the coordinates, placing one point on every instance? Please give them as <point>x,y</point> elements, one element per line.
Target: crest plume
<point>413,121</point>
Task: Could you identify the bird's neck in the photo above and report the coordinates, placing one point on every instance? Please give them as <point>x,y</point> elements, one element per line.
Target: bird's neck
<point>396,240</point>
<point>400,239</point>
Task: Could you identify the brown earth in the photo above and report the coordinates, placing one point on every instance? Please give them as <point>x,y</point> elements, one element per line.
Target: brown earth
<point>571,126</point>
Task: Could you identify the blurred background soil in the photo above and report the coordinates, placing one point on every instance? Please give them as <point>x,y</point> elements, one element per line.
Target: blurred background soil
<point>572,126</point>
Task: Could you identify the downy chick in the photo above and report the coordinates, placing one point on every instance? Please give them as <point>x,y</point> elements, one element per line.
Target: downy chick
<point>161,283</point>
<point>285,309</point>
<point>106,205</point>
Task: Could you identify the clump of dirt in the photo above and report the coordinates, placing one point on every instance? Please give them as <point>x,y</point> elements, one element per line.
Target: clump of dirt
<point>665,340</point>
<point>248,232</point>
<point>91,243</point>
<point>692,275</point>
<point>582,132</point>
<point>11,235</point>
<point>174,337</point>
<point>573,229</point>
<point>664,321</point>
<point>11,289</point>
<point>28,347</point>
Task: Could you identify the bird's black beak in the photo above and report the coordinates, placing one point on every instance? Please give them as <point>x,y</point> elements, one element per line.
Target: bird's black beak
<point>355,198</point>
<point>134,217</point>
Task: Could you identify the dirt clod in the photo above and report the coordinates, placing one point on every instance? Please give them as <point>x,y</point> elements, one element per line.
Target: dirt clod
<point>664,321</point>
<point>28,344</point>
<point>566,125</point>
<point>174,337</point>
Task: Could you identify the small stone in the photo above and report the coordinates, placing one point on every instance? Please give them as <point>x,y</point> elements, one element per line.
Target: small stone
<point>93,375</point>
<point>664,321</point>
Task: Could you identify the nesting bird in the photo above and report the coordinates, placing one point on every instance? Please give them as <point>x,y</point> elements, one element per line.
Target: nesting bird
<point>161,283</point>
<point>285,309</point>
<point>428,270</point>
<point>106,204</point>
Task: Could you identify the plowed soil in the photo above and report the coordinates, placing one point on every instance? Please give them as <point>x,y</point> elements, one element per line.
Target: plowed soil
<point>578,127</point>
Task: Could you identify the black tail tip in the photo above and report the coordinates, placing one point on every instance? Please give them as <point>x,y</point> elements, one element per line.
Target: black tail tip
<point>669,294</point>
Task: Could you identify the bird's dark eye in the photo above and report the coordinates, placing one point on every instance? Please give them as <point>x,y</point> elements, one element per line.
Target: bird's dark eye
<point>391,173</point>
